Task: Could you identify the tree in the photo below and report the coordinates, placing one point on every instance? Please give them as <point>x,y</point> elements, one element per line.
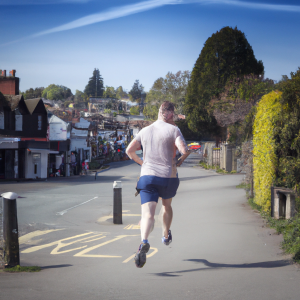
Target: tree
<point>171,88</point>
<point>95,87</point>
<point>226,55</point>
<point>234,108</point>
<point>287,133</point>
<point>151,111</point>
<point>134,110</point>
<point>56,92</point>
<point>33,93</point>
<point>135,93</point>
<point>120,93</point>
<point>110,92</point>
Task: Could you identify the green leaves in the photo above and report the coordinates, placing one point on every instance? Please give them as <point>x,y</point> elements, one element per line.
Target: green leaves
<point>226,55</point>
<point>95,88</point>
<point>56,92</point>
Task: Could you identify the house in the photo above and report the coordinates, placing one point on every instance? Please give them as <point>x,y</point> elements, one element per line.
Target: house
<point>59,138</point>
<point>24,146</point>
<point>80,148</point>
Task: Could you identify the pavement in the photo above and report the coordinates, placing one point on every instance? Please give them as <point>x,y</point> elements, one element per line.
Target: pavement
<point>221,248</point>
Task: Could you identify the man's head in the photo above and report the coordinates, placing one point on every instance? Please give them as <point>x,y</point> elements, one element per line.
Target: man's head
<point>166,111</point>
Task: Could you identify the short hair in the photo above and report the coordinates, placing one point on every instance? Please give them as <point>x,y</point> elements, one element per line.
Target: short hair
<point>167,106</point>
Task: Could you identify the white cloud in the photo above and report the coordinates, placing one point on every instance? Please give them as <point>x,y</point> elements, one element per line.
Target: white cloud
<point>126,10</point>
<point>111,14</point>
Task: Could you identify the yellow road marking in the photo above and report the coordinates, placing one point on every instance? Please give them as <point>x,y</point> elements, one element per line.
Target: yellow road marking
<point>83,253</point>
<point>132,226</point>
<point>36,248</point>
<point>93,240</point>
<point>155,250</point>
<point>61,245</point>
<point>105,218</point>
<point>25,238</point>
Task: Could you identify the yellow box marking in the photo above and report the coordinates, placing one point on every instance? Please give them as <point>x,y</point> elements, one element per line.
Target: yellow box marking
<point>83,253</point>
<point>27,237</point>
<point>61,245</point>
<point>36,248</point>
<point>132,226</point>
<point>105,218</point>
<point>155,250</point>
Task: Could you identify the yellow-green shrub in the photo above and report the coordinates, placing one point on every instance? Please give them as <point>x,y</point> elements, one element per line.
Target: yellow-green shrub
<point>264,159</point>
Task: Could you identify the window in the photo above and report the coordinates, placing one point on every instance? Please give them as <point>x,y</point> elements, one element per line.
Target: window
<point>39,122</point>
<point>1,120</point>
<point>19,122</point>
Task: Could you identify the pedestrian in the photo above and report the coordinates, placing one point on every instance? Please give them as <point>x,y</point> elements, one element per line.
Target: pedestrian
<point>158,176</point>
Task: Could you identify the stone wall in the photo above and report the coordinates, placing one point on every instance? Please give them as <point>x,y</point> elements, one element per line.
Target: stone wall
<point>245,161</point>
<point>1,236</point>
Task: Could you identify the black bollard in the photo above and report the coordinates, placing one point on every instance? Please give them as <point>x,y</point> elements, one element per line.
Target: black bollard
<point>10,230</point>
<point>117,186</point>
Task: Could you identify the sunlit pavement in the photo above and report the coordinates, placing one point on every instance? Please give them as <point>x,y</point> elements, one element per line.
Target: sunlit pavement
<point>220,250</point>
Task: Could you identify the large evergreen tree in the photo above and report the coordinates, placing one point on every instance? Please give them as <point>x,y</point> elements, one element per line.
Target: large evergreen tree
<point>226,55</point>
<point>135,93</point>
<point>95,87</point>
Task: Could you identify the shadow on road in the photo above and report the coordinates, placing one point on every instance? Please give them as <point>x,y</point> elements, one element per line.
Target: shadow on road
<point>195,177</point>
<point>217,266</point>
<point>55,266</point>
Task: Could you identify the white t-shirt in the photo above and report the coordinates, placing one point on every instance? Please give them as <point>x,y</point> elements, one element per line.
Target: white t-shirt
<point>158,141</point>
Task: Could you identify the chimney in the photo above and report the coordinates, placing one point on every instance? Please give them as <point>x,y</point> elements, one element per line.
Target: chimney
<point>9,85</point>
<point>12,73</point>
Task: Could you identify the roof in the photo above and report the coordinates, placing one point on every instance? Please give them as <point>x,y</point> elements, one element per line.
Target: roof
<point>11,101</point>
<point>32,103</point>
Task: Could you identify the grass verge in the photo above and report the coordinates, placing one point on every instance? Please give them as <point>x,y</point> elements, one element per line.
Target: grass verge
<point>216,168</point>
<point>290,229</point>
<point>22,269</point>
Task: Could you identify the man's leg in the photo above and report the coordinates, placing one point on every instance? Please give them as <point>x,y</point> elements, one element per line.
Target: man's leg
<point>147,221</point>
<point>167,216</point>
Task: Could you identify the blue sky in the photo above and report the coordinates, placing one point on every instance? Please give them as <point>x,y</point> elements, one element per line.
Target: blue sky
<point>62,41</point>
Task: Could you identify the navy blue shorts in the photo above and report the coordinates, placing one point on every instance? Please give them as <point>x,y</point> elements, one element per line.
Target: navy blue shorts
<point>153,187</point>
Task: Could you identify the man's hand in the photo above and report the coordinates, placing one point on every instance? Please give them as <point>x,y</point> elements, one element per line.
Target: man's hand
<point>182,158</point>
<point>132,148</point>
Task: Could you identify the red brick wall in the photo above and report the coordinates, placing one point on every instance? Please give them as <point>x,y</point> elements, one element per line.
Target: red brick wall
<point>9,86</point>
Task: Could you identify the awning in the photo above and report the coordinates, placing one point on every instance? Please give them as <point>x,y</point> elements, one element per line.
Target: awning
<point>38,150</point>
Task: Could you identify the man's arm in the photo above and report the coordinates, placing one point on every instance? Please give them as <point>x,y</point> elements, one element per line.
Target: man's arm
<point>182,148</point>
<point>132,148</point>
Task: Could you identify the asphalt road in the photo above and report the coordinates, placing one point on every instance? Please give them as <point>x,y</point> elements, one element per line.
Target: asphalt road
<point>221,249</point>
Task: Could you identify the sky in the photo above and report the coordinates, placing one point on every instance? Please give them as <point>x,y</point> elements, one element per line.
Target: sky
<point>63,41</point>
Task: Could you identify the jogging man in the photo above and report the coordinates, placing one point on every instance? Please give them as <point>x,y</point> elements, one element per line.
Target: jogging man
<point>158,173</point>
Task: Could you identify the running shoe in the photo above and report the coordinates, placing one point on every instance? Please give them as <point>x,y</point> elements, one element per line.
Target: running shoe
<point>167,241</point>
<point>140,257</point>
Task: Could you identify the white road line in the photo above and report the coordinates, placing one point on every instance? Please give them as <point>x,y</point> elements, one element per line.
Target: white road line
<point>61,213</point>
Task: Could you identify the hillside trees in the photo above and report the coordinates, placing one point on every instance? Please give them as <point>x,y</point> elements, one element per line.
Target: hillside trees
<point>171,88</point>
<point>33,93</point>
<point>225,56</point>
<point>95,88</point>
<point>110,92</point>
<point>134,110</point>
<point>56,92</point>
